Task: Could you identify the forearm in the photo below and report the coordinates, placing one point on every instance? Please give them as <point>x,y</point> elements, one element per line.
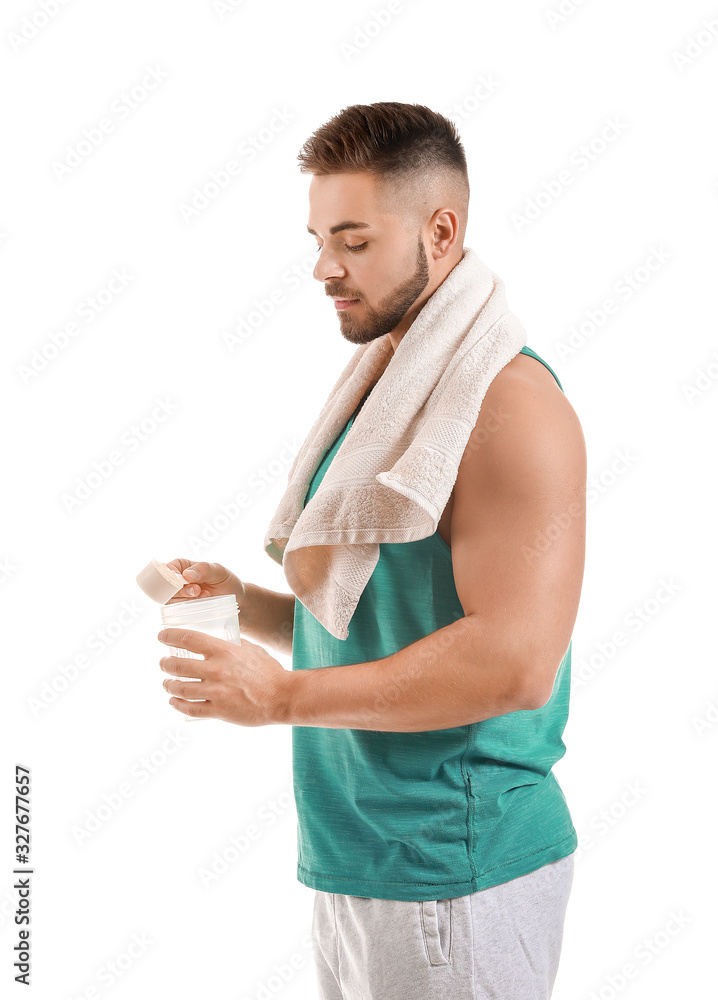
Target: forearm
<point>266,617</point>
<point>452,677</point>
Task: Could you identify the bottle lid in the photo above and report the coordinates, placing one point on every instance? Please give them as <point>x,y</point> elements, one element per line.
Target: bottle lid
<point>160,582</point>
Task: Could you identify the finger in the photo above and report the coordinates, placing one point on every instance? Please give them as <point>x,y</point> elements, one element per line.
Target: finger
<point>190,590</point>
<point>196,709</point>
<point>200,571</point>
<point>184,666</point>
<point>195,642</point>
<point>184,689</point>
<point>208,573</point>
<point>180,565</point>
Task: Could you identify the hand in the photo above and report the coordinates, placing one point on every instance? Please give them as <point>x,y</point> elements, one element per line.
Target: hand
<point>209,580</point>
<point>241,684</point>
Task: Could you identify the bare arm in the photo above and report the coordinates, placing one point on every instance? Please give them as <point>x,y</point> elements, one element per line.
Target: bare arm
<point>265,616</point>
<point>517,540</point>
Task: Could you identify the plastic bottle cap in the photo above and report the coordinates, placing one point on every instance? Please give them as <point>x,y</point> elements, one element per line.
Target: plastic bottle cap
<point>160,582</point>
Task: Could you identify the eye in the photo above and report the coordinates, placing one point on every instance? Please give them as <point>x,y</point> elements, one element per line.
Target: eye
<point>354,249</point>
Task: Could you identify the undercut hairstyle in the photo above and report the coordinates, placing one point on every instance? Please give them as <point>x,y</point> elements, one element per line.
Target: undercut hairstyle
<point>415,154</point>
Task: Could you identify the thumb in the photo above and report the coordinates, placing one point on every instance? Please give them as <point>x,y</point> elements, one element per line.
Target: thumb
<point>205,572</point>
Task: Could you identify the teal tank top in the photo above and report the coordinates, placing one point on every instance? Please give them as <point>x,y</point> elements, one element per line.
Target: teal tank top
<point>432,815</point>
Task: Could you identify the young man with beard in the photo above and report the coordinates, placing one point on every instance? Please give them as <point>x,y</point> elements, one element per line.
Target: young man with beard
<point>431,827</point>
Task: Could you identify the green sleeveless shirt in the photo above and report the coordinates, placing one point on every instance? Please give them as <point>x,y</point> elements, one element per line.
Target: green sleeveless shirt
<point>432,815</point>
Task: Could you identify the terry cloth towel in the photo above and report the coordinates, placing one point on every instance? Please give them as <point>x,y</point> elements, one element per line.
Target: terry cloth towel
<point>394,472</point>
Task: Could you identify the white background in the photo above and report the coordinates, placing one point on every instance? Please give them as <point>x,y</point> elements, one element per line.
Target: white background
<point>639,771</point>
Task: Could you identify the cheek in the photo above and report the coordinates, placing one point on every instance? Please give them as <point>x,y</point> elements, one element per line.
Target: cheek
<point>374,278</point>
<point>378,284</point>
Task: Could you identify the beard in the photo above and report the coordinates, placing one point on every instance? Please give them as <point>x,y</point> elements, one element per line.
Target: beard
<point>391,310</point>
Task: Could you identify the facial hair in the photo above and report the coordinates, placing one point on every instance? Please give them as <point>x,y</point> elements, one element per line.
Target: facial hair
<point>391,310</point>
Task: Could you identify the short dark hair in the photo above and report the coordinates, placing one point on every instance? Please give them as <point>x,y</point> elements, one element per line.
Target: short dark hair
<point>399,143</point>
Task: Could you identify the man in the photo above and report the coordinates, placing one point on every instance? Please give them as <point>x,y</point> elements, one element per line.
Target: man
<point>431,827</point>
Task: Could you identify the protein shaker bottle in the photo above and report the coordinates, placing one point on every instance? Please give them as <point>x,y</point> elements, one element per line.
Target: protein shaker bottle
<point>215,616</point>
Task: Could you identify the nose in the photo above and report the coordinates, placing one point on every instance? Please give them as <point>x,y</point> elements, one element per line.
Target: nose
<point>327,267</point>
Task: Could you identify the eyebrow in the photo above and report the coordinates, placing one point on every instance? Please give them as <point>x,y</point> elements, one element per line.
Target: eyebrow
<point>343,225</point>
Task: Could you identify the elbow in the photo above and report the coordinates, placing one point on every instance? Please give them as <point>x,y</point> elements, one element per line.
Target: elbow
<point>532,700</point>
<point>524,695</point>
<point>534,693</point>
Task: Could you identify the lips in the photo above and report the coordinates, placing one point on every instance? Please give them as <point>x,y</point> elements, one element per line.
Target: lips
<point>345,303</point>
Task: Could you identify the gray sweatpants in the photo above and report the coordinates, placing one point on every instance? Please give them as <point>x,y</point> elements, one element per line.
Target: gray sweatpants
<point>501,943</point>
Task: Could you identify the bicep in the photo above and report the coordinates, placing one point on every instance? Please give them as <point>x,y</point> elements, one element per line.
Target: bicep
<point>518,524</point>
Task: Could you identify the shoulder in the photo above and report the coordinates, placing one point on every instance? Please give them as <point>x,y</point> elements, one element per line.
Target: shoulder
<point>526,431</point>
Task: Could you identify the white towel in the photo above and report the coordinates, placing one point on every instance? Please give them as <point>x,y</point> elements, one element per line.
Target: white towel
<point>394,472</point>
